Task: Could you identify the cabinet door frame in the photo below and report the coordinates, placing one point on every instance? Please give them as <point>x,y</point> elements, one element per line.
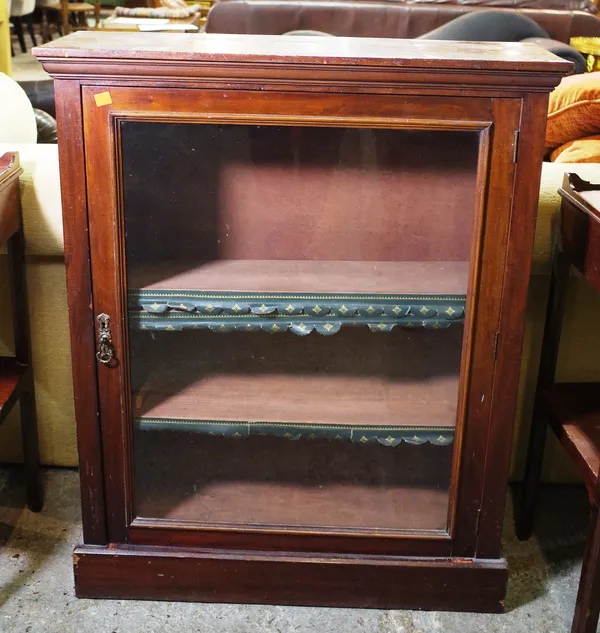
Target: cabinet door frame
<point>496,120</point>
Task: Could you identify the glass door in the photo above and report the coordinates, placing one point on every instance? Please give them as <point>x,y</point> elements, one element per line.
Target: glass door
<point>297,299</point>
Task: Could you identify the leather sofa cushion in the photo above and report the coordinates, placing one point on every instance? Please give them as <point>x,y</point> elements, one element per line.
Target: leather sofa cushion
<point>562,50</point>
<point>561,5</point>
<point>378,18</point>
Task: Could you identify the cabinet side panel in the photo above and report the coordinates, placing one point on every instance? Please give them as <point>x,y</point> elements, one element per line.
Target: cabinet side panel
<point>79,285</point>
<point>512,319</point>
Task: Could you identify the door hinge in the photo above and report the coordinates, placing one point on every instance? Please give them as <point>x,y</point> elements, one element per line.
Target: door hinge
<point>495,352</point>
<point>516,145</point>
<point>477,521</point>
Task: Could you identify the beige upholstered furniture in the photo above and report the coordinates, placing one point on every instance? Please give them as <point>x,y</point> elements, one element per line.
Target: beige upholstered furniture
<point>17,120</point>
<point>50,337</point>
<point>42,220</point>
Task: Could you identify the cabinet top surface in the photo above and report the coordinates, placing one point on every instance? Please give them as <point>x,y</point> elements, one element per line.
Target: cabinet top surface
<point>339,51</point>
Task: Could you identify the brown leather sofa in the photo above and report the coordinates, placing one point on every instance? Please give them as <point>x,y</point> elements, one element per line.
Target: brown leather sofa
<point>374,18</point>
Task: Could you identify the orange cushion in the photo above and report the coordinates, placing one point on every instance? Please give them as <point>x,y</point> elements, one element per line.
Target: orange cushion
<point>582,150</point>
<point>574,109</point>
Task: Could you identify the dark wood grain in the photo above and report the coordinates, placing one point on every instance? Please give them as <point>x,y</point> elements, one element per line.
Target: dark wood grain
<point>334,580</point>
<point>81,317</point>
<point>106,269</point>
<point>22,338</point>
<point>486,305</point>
<point>477,194</point>
<point>168,533</point>
<point>514,288</point>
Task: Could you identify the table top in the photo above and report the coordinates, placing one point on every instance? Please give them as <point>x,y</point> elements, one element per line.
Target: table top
<point>580,226</point>
<point>335,50</point>
<point>585,195</point>
<point>112,23</point>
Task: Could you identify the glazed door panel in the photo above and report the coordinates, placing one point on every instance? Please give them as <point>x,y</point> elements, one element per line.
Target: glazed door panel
<point>301,340</point>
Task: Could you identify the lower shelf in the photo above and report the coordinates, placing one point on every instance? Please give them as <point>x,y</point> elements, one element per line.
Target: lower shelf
<point>11,375</point>
<point>575,418</point>
<point>270,482</point>
<point>259,382</point>
<point>385,435</point>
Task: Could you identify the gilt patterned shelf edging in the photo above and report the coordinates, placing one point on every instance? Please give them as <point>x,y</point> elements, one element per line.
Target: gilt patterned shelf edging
<point>385,435</point>
<point>298,313</point>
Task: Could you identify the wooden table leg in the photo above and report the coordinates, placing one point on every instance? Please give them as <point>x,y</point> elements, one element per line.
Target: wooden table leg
<point>29,430</point>
<point>537,438</point>
<point>31,451</point>
<point>587,607</point>
<point>533,472</point>
<point>18,24</point>
<point>31,28</point>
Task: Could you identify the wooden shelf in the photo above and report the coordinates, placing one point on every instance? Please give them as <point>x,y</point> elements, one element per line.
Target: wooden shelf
<point>270,482</point>
<point>355,379</point>
<point>11,375</point>
<point>305,277</point>
<point>311,400</point>
<point>574,410</point>
<point>325,297</point>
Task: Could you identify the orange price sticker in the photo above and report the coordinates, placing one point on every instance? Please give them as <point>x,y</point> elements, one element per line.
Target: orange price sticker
<point>103,98</point>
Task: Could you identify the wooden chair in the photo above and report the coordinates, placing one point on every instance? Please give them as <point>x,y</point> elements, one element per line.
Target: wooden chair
<point>572,410</point>
<point>52,18</point>
<point>71,16</point>
<point>22,11</point>
<point>75,15</point>
<point>16,374</point>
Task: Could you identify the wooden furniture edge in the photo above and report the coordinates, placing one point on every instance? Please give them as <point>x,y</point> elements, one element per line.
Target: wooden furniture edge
<point>221,57</point>
<point>476,585</point>
<point>71,157</point>
<point>10,168</point>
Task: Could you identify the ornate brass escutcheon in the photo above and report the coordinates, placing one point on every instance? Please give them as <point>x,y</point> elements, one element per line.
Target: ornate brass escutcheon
<point>106,352</point>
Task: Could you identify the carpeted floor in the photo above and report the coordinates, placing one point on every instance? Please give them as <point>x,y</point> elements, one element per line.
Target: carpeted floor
<point>36,593</point>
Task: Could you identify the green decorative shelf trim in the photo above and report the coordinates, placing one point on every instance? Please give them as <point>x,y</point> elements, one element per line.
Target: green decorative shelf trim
<point>301,314</point>
<point>252,323</point>
<point>386,435</point>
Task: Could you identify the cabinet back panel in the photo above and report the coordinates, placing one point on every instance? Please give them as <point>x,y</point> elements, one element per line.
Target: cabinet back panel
<point>206,192</point>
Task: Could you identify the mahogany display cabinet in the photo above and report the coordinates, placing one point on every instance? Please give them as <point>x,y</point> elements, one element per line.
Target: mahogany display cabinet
<point>297,272</point>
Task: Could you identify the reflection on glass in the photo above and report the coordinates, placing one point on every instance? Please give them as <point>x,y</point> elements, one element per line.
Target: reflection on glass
<point>297,298</point>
